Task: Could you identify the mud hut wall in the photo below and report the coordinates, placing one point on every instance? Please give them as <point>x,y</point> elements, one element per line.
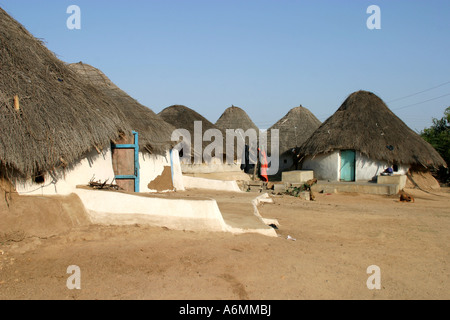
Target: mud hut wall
<point>177,172</point>
<point>327,167</point>
<point>367,169</point>
<point>285,162</point>
<point>160,173</point>
<point>64,181</point>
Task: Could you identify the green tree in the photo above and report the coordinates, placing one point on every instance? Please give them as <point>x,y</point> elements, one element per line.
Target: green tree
<point>438,135</point>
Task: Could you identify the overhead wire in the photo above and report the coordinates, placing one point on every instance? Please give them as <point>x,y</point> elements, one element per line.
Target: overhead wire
<point>414,94</point>
<point>414,104</point>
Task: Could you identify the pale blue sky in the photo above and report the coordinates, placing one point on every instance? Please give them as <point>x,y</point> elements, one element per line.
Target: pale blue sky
<point>265,56</point>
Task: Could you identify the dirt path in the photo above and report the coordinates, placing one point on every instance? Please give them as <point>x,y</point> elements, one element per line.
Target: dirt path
<point>337,237</point>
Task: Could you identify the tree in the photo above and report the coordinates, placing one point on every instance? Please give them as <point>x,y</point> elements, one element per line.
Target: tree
<point>438,135</point>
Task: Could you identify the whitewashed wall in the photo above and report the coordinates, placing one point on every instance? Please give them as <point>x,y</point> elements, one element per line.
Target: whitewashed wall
<point>152,166</point>
<point>177,172</point>
<point>368,169</point>
<point>99,168</point>
<point>64,181</point>
<point>327,167</point>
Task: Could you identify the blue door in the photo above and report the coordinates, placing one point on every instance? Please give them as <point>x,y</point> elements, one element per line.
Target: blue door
<point>348,165</point>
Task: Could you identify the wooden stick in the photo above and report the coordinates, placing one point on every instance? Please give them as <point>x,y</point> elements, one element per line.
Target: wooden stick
<point>16,103</point>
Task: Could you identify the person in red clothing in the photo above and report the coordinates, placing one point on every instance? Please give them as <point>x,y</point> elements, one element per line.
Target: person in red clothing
<point>264,165</point>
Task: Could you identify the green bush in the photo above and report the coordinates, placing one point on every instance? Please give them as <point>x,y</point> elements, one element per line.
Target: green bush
<point>438,135</point>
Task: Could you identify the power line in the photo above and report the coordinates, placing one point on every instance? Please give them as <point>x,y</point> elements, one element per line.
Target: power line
<point>414,104</point>
<point>414,94</point>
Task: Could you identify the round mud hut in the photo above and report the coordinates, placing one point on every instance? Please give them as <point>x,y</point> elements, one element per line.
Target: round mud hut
<point>243,144</point>
<point>55,129</point>
<point>294,129</point>
<point>199,137</point>
<point>157,162</point>
<point>363,138</point>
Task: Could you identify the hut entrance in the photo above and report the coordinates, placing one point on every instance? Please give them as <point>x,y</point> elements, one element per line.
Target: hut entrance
<point>125,160</point>
<point>347,171</point>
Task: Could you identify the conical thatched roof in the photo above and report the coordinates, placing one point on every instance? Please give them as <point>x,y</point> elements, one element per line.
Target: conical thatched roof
<point>182,117</point>
<point>58,117</point>
<point>364,123</point>
<point>235,118</point>
<point>154,133</point>
<point>295,128</point>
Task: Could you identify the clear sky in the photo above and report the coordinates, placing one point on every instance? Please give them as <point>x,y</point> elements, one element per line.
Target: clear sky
<point>265,56</point>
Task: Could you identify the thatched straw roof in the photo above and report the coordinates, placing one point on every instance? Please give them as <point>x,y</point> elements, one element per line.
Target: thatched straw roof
<point>56,117</point>
<point>364,123</point>
<point>295,128</point>
<point>235,118</point>
<point>154,132</point>
<point>182,117</point>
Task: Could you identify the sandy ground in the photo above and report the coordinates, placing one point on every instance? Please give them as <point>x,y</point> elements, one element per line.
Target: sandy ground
<point>337,237</point>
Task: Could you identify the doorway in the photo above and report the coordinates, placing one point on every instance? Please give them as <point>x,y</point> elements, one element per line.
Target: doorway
<point>125,161</point>
<point>347,170</point>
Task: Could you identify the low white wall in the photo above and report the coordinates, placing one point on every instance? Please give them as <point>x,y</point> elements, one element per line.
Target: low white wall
<point>115,208</point>
<point>209,184</point>
<point>325,166</point>
<point>64,181</point>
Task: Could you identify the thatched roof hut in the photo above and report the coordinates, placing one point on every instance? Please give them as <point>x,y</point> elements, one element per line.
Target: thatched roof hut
<point>154,132</point>
<point>235,118</point>
<point>182,117</point>
<point>48,116</point>
<point>364,123</point>
<point>295,128</point>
